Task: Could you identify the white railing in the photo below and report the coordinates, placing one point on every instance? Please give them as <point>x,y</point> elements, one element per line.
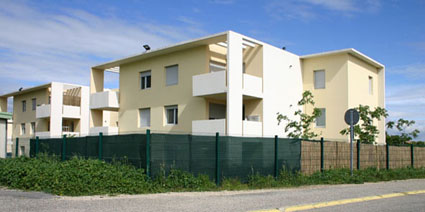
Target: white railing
<point>252,86</point>
<point>45,134</point>
<point>211,83</point>
<point>252,128</point>
<point>71,134</point>
<point>104,130</point>
<point>209,127</point>
<point>71,111</point>
<point>108,100</point>
<point>42,111</point>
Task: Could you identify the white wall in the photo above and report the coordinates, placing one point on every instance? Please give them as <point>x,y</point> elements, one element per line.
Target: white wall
<point>56,103</point>
<point>209,127</point>
<point>3,138</point>
<point>211,83</point>
<point>282,87</point>
<point>85,111</point>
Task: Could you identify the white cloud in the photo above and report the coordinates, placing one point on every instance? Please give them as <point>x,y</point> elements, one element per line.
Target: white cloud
<point>411,71</point>
<point>38,47</point>
<point>307,9</point>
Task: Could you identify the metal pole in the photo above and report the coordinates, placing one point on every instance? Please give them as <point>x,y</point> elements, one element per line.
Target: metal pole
<point>64,148</point>
<point>276,156</point>
<point>148,153</point>
<point>322,155</point>
<point>36,145</point>
<point>358,154</point>
<point>388,156</point>
<point>412,155</point>
<point>351,142</point>
<point>217,159</point>
<point>100,146</point>
<point>17,148</point>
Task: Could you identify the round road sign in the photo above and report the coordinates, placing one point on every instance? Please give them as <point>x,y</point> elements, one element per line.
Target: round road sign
<point>351,116</point>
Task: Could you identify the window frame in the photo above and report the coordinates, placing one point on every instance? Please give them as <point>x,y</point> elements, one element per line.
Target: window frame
<point>175,114</point>
<point>140,117</point>
<point>143,77</point>
<point>166,75</point>
<point>34,103</point>
<point>324,79</point>
<point>23,130</point>
<point>322,114</point>
<point>33,128</point>
<point>24,105</point>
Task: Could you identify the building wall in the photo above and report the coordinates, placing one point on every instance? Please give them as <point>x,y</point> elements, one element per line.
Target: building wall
<point>334,97</point>
<point>19,117</point>
<point>358,89</point>
<point>191,62</point>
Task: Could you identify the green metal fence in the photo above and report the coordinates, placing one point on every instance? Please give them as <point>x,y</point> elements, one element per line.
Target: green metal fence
<point>215,156</point>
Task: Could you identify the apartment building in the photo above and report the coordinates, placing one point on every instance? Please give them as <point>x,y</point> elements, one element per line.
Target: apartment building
<point>48,110</point>
<point>340,80</point>
<point>4,132</point>
<point>226,83</point>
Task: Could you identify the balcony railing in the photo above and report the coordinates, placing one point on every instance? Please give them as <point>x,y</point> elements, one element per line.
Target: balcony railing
<point>208,84</point>
<point>106,100</point>
<point>209,127</point>
<point>104,130</point>
<point>42,111</point>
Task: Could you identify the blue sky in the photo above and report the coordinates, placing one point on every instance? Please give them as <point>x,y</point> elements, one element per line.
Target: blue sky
<point>43,41</point>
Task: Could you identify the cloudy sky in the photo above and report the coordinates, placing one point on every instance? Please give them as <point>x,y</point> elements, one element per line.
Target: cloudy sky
<point>43,41</point>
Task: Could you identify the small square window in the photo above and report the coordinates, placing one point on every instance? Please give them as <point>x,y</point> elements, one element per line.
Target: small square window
<point>171,113</point>
<point>145,80</point>
<point>145,117</point>
<point>172,73</point>
<point>319,79</point>
<point>321,120</point>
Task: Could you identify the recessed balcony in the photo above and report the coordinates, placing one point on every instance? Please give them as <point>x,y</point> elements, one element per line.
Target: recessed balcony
<point>209,84</point>
<point>106,100</point>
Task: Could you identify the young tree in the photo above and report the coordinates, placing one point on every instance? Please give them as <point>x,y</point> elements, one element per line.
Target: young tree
<point>301,128</point>
<point>366,131</point>
<point>404,136</point>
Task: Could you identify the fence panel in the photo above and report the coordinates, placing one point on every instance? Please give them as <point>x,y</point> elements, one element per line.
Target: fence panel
<point>419,153</point>
<point>310,157</point>
<point>130,147</point>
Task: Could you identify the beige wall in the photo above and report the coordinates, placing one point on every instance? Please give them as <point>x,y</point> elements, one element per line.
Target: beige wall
<point>253,59</point>
<point>191,62</point>
<point>19,117</point>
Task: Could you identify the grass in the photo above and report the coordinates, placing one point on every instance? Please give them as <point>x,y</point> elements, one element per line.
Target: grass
<point>77,177</point>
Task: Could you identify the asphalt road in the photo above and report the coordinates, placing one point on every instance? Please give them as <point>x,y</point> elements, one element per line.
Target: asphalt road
<point>279,199</point>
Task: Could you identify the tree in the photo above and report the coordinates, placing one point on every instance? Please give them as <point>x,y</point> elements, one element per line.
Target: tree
<point>301,128</point>
<point>366,131</point>
<point>404,136</point>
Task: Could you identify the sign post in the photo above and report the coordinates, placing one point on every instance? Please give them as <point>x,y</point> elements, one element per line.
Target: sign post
<point>351,118</point>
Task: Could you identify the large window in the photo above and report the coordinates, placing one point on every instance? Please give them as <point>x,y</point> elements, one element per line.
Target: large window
<point>34,103</point>
<point>24,106</point>
<point>171,113</point>
<point>319,79</point>
<point>145,117</point>
<point>145,80</point>
<point>321,120</point>
<point>172,73</point>
<point>370,85</point>
<point>23,129</point>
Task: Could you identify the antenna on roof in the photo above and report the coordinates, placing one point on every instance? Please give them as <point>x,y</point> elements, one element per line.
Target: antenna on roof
<point>284,48</point>
<point>20,89</point>
<point>147,47</point>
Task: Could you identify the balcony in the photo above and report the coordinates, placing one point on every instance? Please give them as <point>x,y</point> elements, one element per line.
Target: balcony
<point>104,130</point>
<point>42,111</point>
<point>252,128</point>
<point>45,134</point>
<point>209,84</point>
<point>252,86</point>
<point>71,134</point>
<point>72,112</point>
<point>209,127</point>
<point>106,100</point>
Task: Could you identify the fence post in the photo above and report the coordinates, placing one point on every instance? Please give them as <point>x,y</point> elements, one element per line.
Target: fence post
<point>17,148</point>
<point>388,156</point>
<point>64,148</point>
<point>100,146</point>
<point>276,156</point>
<point>217,159</point>
<point>358,154</point>
<point>412,156</point>
<point>322,155</point>
<point>36,145</point>
<point>148,153</point>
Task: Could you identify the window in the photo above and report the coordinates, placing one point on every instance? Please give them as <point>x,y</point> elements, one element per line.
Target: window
<point>24,106</point>
<point>145,117</point>
<point>172,73</point>
<point>321,120</point>
<point>370,85</point>
<point>34,103</point>
<point>217,66</point>
<point>23,129</point>
<point>171,113</point>
<point>145,80</point>
<point>319,79</point>
<point>32,128</point>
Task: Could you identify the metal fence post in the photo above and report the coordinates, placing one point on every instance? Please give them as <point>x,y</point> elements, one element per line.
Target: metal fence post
<point>276,156</point>
<point>412,156</point>
<point>17,148</point>
<point>322,155</point>
<point>388,156</point>
<point>217,159</point>
<point>100,150</point>
<point>64,148</point>
<point>358,154</point>
<point>148,153</point>
<point>36,145</point>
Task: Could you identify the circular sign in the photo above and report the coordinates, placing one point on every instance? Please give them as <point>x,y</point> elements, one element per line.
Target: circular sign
<point>351,116</point>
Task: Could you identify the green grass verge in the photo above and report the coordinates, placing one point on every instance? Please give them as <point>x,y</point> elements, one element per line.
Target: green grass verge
<point>77,177</point>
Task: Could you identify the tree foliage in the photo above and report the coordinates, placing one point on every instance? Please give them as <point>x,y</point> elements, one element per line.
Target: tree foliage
<point>404,136</point>
<point>301,128</point>
<point>366,131</point>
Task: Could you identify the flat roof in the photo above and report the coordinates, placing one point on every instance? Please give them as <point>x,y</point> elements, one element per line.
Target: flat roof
<point>350,51</point>
<point>27,90</point>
